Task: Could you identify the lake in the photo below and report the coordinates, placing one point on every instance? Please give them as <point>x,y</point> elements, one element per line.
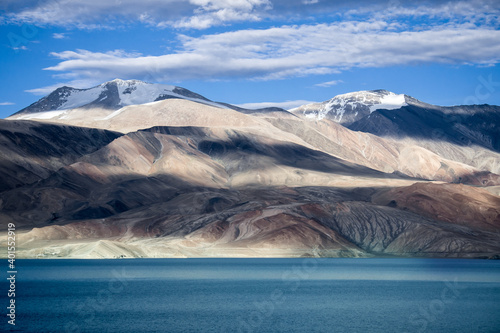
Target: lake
<point>256,295</point>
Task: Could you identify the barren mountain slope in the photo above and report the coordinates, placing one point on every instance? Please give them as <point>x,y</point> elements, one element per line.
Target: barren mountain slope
<point>31,151</point>
<point>188,191</point>
<point>384,154</point>
<point>141,167</point>
<point>466,134</point>
<point>405,156</point>
<point>453,203</point>
<point>261,222</point>
<point>185,177</point>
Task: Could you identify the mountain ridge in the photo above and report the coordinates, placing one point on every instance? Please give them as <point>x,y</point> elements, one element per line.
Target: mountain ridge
<point>349,107</point>
<point>111,95</point>
<point>136,192</point>
<point>183,177</point>
<point>344,108</point>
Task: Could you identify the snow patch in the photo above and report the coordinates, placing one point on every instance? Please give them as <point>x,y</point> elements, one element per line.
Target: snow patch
<point>152,103</point>
<point>79,97</point>
<point>138,92</point>
<point>43,115</point>
<point>130,92</point>
<point>353,104</point>
<point>390,102</point>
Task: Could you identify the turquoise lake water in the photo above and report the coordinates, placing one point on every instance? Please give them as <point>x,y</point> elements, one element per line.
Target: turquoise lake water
<point>256,295</point>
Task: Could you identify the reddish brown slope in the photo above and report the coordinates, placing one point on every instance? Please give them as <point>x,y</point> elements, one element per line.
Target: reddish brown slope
<point>453,203</point>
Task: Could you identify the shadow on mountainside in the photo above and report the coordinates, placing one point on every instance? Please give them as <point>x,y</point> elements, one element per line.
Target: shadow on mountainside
<point>31,150</point>
<point>463,126</point>
<point>250,152</point>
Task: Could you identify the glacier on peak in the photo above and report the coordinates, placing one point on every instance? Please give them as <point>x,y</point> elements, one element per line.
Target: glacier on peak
<point>349,107</point>
<point>390,101</point>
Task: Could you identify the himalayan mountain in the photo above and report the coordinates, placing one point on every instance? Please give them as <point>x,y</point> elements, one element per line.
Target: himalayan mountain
<point>133,169</point>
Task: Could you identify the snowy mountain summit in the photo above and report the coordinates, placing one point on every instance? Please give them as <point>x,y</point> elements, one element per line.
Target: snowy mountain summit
<point>111,95</point>
<point>348,108</point>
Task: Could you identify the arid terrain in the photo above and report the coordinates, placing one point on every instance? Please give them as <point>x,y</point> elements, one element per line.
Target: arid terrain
<point>365,174</point>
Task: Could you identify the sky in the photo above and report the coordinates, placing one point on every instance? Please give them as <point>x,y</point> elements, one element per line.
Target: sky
<point>254,53</point>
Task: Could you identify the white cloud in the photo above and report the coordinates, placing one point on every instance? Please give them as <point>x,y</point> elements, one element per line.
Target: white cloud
<point>201,14</point>
<point>95,14</point>
<point>329,83</point>
<point>288,51</point>
<point>374,34</point>
<point>455,11</point>
<point>84,13</point>
<point>288,105</point>
<point>60,35</point>
<point>217,12</point>
<point>6,103</point>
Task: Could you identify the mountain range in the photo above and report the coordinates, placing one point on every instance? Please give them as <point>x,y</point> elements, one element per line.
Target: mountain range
<point>132,169</point>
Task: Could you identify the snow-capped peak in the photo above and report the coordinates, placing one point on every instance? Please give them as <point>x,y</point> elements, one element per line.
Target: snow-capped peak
<point>115,93</point>
<point>374,99</point>
<point>120,81</point>
<point>347,108</point>
<point>112,95</point>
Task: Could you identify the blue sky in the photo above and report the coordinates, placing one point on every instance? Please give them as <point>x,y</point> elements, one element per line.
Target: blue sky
<point>254,52</point>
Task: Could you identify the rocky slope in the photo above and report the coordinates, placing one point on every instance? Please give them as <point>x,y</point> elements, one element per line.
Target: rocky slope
<point>261,222</point>
<point>462,125</point>
<point>374,152</point>
<point>190,191</point>
<point>467,134</point>
<point>181,178</point>
<point>387,154</point>
<point>455,204</point>
<point>31,151</point>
